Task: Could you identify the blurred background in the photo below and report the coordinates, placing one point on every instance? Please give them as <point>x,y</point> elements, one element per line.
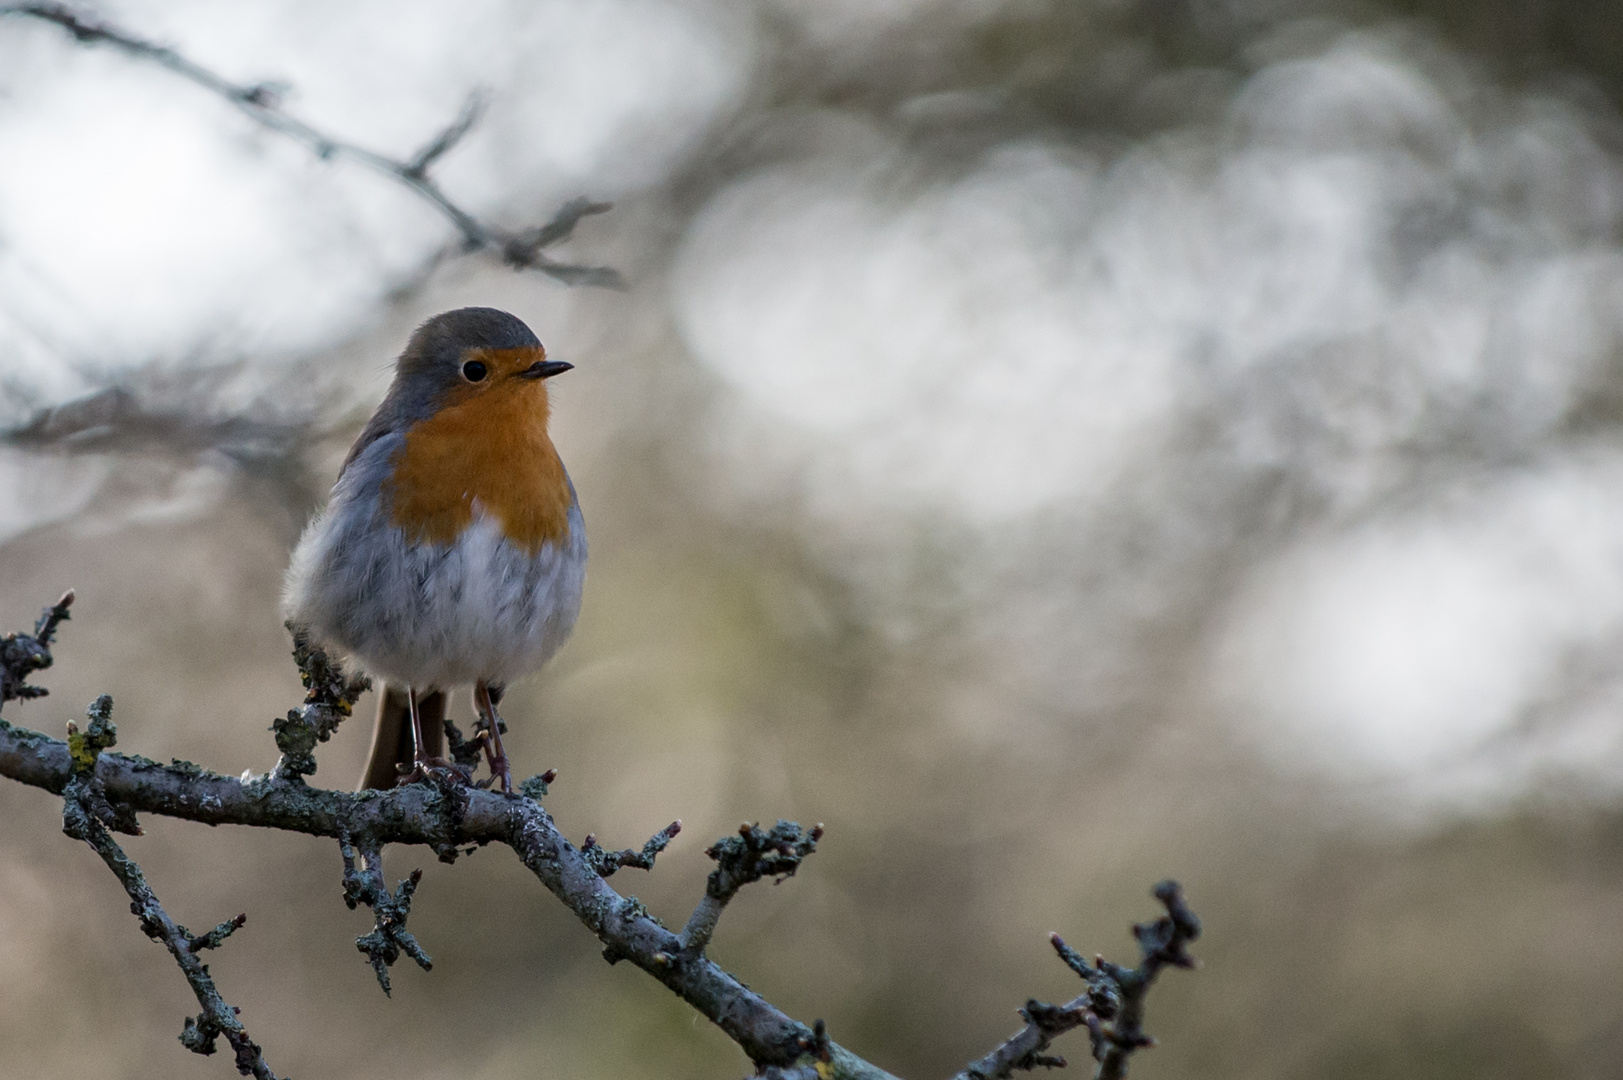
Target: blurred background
<point>1057,444</point>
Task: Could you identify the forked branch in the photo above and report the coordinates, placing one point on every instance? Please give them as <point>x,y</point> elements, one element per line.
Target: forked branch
<point>86,816</point>
<point>104,791</point>
<point>261,102</point>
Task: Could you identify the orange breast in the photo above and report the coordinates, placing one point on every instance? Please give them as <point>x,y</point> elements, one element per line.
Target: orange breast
<point>490,449</point>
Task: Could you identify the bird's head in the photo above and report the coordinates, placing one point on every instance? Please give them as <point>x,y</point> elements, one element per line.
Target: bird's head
<point>473,357</point>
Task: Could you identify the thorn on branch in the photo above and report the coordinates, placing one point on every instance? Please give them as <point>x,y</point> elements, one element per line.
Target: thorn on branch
<point>329,699</point>
<point>606,862</point>
<point>23,654</point>
<point>363,884</point>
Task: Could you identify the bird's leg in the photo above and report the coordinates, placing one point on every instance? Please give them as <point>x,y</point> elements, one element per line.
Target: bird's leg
<point>422,761</point>
<point>486,700</point>
<point>416,725</point>
<point>419,755</point>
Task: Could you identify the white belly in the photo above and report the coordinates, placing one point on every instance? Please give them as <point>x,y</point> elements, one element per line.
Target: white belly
<point>420,615</point>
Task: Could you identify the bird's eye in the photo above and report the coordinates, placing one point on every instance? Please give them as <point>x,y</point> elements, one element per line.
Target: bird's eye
<point>473,371</point>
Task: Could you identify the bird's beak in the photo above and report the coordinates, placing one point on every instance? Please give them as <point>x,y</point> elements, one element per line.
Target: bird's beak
<point>544,369</point>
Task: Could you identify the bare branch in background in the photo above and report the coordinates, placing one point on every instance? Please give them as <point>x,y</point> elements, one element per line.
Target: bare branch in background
<point>268,451</point>
<point>105,791</point>
<point>262,103</point>
<point>118,420</point>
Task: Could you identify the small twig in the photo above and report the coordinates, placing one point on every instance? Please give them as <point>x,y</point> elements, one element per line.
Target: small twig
<point>329,698</point>
<point>472,111</point>
<point>1112,1009</point>
<point>214,938</point>
<point>606,862</point>
<point>23,654</point>
<point>749,855</point>
<point>81,820</point>
<point>465,752</point>
<point>363,884</point>
<point>84,748</point>
<point>262,103</point>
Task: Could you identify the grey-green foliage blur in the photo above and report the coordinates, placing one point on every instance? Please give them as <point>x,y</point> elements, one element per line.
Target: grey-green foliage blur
<point>1009,695</point>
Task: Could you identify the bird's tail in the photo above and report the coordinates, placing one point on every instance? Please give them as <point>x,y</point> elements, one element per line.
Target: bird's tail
<point>391,734</point>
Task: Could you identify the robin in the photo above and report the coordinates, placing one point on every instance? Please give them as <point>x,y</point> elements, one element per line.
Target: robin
<point>452,549</point>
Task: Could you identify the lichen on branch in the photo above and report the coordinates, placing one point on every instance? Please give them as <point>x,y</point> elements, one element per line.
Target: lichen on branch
<point>329,699</point>
<point>364,884</point>
<point>84,808</point>
<point>104,790</point>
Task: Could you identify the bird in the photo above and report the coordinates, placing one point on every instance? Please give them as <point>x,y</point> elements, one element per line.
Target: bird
<point>451,550</point>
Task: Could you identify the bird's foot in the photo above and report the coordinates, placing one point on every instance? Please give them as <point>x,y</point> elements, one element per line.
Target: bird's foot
<point>489,727</point>
<point>500,770</point>
<point>429,770</point>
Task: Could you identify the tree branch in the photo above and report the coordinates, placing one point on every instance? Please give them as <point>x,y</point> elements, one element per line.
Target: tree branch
<point>84,811</point>
<point>106,789</point>
<point>740,860</point>
<point>363,884</point>
<point>261,102</point>
<point>1112,1009</point>
<point>607,862</point>
<point>21,654</point>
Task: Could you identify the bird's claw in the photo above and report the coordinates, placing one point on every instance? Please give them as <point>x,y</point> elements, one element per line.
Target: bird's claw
<point>429,770</point>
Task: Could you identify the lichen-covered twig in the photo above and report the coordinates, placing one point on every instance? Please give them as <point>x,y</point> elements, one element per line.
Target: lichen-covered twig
<point>23,654</point>
<point>118,785</point>
<point>749,855</point>
<point>82,820</point>
<point>329,698</point>
<point>606,862</point>
<point>262,103</point>
<point>364,884</point>
<point>84,747</point>
<point>1112,1009</point>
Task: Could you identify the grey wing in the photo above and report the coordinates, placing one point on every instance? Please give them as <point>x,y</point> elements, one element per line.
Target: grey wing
<point>383,422</point>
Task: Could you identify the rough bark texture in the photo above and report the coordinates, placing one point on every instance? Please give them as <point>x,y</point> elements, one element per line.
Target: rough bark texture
<point>105,791</point>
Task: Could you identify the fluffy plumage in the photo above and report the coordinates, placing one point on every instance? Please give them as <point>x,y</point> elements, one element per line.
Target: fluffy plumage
<point>424,614</point>
<point>452,549</point>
